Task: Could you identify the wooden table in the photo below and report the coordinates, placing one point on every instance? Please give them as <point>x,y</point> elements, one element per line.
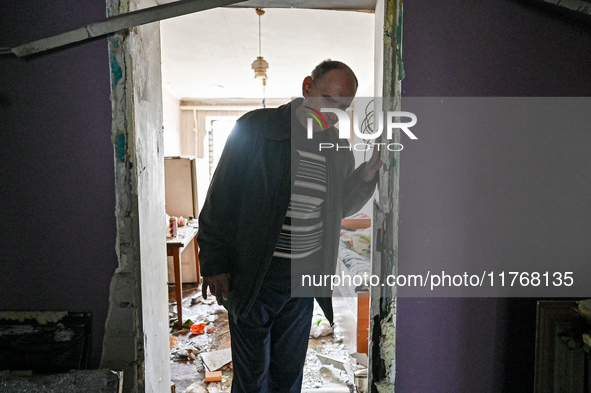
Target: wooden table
<point>174,248</point>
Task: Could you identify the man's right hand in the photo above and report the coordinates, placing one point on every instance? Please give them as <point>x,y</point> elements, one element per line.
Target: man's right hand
<point>219,286</point>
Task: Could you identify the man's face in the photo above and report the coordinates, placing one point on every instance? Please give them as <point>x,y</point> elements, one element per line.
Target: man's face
<point>336,89</point>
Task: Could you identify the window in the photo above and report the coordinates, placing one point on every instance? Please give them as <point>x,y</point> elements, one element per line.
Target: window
<point>217,134</point>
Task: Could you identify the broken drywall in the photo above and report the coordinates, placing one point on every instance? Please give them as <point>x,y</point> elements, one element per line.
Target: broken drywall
<point>136,330</point>
<point>388,350</point>
<point>122,348</point>
<point>382,350</point>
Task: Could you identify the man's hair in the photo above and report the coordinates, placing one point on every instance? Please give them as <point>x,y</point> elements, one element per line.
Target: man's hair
<point>329,65</point>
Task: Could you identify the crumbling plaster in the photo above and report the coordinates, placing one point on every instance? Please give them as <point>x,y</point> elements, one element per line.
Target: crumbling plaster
<point>382,349</point>
<point>137,325</point>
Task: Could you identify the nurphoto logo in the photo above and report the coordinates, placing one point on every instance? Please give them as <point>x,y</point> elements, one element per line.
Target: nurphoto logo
<point>316,115</point>
<point>364,125</point>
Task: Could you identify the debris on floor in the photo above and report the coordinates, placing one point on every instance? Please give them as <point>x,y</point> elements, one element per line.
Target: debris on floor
<point>344,365</point>
<point>198,328</point>
<point>196,387</point>
<point>318,374</point>
<point>320,326</point>
<point>215,360</point>
<point>213,376</point>
<point>201,356</point>
<point>361,380</point>
<point>174,340</point>
<point>75,381</point>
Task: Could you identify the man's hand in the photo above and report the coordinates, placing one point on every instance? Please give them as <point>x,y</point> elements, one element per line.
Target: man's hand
<point>373,165</point>
<point>218,286</point>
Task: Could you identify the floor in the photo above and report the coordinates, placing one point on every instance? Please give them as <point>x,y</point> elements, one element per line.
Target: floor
<point>187,349</point>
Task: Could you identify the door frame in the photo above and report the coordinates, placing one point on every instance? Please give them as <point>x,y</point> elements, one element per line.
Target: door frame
<point>136,335</point>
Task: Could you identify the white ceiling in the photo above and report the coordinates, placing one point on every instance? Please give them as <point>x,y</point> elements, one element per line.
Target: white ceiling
<point>209,54</point>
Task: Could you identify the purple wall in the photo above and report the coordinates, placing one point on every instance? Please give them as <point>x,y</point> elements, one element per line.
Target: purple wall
<point>58,230</point>
<point>486,48</point>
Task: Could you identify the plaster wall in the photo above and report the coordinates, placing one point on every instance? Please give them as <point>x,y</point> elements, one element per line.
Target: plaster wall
<point>488,48</point>
<point>136,339</point>
<point>59,177</point>
<point>171,119</point>
<point>382,327</point>
<point>57,189</point>
<point>149,151</point>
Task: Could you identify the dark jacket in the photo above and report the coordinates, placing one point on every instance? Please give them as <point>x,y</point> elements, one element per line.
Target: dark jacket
<point>248,198</point>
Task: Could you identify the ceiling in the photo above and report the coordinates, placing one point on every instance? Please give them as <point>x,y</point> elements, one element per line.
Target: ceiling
<point>368,5</point>
<point>209,54</point>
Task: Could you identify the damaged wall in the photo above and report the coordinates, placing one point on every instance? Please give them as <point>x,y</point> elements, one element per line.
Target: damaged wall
<point>58,192</point>
<point>61,239</point>
<point>149,150</point>
<point>58,186</point>
<point>489,48</point>
<point>137,326</point>
<point>389,74</point>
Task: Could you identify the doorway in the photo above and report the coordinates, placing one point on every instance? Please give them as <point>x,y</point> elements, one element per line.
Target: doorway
<point>142,96</point>
<point>216,84</point>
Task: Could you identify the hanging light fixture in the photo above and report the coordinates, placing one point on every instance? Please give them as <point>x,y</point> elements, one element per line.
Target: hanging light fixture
<point>260,65</point>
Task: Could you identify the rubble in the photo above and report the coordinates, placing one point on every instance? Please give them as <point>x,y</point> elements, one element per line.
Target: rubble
<point>174,341</point>
<point>77,381</point>
<point>213,376</point>
<point>320,326</point>
<point>198,328</point>
<point>215,360</point>
<point>329,366</point>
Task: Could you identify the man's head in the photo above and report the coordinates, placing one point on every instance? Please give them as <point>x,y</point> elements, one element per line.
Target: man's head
<point>329,65</point>
<point>332,84</point>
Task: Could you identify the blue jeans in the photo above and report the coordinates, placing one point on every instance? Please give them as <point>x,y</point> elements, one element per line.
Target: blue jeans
<point>269,345</point>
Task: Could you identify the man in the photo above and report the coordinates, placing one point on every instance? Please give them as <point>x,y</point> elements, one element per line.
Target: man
<point>275,203</point>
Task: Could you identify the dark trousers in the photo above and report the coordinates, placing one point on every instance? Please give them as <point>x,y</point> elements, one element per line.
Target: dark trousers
<point>269,345</point>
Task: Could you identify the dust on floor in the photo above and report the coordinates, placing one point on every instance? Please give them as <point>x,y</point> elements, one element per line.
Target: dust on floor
<point>323,371</point>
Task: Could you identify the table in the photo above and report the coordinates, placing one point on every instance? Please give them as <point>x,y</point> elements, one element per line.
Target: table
<point>174,248</point>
